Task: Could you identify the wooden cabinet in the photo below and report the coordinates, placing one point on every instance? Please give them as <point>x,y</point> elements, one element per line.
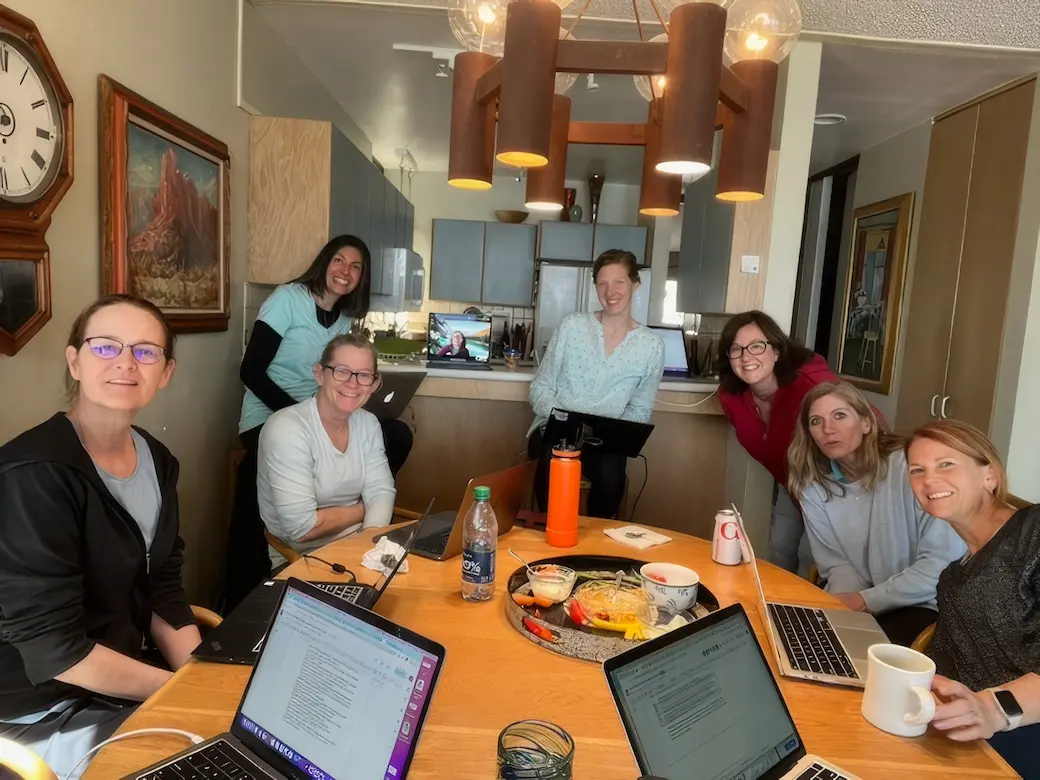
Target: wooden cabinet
<point>565,241</point>
<point>307,184</point>
<point>509,264</point>
<point>962,270</point>
<point>704,249</point>
<point>483,262</point>
<point>628,237</point>
<point>457,263</point>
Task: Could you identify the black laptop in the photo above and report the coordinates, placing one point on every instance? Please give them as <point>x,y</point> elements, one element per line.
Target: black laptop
<point>338,691</point>
<point>240,636</point>
<point>618,437</point>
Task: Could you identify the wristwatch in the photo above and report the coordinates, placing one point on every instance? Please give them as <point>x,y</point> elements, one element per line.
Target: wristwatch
<point>1008,704</point>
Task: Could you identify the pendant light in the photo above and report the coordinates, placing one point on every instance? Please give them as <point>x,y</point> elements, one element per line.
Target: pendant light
<point>471,150</point>
<point>546,185</point>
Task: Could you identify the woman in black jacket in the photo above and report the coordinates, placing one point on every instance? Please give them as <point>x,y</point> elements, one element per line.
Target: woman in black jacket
<point>90,552</point>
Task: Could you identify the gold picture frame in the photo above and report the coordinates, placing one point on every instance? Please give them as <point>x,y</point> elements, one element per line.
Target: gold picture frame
<point>880,243</point>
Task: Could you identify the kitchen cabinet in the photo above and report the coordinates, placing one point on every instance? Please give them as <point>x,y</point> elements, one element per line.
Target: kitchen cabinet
<point>704,248</point>
<point>628,237</point>
<point>565,241</point>
<point>962,269</point>
<point>509,264</point>
<point>457,263</point>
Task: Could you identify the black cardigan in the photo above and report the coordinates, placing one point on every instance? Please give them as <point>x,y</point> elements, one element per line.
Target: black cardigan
<point>73,566</point>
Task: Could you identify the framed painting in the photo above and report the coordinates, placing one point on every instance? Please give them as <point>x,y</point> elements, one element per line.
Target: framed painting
<point>874,292</point>
<point>165,211</point>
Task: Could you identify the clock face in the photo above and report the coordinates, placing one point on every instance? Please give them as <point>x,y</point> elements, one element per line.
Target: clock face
<point>31,129</point>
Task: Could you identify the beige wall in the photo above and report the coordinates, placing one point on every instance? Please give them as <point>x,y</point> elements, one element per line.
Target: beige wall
<point>181,55</point>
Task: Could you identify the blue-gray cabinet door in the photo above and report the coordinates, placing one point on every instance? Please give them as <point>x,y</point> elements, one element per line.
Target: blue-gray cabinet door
<point>704,249</point>
<point>457,263</point>
<point>565,241</point>
<point>509,264</point>
<point>390,197</point>
<point>376,216</point>
<point>346,176</point>
<point>409,225</point>
<point>628,237</point>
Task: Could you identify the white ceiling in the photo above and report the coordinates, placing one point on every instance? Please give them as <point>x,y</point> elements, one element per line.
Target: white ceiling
<point>396,98</point>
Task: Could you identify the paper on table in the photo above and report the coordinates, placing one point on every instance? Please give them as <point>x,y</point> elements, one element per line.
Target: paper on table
<point>635,536</point>
<point>373,559</point>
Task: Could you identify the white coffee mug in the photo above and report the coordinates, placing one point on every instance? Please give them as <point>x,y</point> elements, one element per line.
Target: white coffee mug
<point>898,697</point>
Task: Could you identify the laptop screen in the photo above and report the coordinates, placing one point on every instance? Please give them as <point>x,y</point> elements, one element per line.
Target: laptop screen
<point>459,338</point>
<point>705,707</point>
<point>334,695</point>
<point>676,361</point>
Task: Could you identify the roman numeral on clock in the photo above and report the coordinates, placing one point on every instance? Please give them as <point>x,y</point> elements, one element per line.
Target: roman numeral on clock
<point>39,104</point>
<point>37,158</point>
<point>4,56</point>
<point>3,179</point>
<point>44,134</point>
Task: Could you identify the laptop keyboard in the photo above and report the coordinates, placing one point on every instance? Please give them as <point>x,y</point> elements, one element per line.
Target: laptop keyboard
<point>219,761</point>
<point>343,590</point>
<point>810,641</point>
<point>434,543</point>
<point>818,772</point>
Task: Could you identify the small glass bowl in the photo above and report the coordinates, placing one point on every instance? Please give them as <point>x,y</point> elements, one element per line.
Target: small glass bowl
<point>657,620</point>
<point>551,582</point>
<point>535,750</point>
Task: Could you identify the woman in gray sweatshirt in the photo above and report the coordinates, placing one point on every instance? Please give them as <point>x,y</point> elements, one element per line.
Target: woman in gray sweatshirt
<point>877,550</point>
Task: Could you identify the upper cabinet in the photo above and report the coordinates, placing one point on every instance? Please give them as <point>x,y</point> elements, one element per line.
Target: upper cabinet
<point>509,264</point>
<point>457,263</point>
<point>583,242</point>
<point>483,262</point>
<point>307,184</point>
<point>628,237</point>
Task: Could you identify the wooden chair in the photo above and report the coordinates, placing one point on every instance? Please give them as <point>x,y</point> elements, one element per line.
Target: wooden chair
<point>281,547</point>
<point>22,762</point>
<point>924,639</point>
<point>205,618</point>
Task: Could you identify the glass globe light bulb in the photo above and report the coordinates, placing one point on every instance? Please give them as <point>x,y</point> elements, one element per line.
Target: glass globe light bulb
<point>643,82</point>
<point>564,81</point>
<point>761,29</point>
<point>479,25</point>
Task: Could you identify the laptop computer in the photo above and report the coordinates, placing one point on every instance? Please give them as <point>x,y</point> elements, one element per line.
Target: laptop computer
<point>619,437</point>
<point>676,358</point>
<point>459,341</point>
<point>441,537</point>
<point>395,393</point>
<point>814,643</point>
<point>699,703</point>
<point>337,691</point>
<point>240,636</point>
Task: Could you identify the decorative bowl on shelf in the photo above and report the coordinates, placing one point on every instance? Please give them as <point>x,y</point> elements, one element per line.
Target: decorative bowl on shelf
<point>511,217</point>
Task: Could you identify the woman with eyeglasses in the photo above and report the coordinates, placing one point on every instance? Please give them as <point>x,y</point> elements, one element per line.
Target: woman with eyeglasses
<point>763,376</point>
<point>323,472</point>
<point>90,551</point>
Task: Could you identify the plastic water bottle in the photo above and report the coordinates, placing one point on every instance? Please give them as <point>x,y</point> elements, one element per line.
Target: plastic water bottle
<point>479,542</point>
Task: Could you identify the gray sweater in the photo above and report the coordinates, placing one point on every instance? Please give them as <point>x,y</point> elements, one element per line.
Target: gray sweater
<point>880,544</point>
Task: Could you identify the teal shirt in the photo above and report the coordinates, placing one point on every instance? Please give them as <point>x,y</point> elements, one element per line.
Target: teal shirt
<point>576,373</point>
<point>290,312</point>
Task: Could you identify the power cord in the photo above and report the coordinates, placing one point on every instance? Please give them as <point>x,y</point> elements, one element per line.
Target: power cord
<point>339,568</point>
<point>194,738</point>
<point>646,475</point>
<point>706,398</point>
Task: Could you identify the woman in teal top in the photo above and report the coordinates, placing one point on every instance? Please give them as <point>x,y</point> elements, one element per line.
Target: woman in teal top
<point>605,364</point>
<point>294,324</point>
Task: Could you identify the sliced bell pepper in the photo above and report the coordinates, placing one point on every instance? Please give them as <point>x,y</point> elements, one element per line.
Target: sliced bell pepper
<point>539,630</point>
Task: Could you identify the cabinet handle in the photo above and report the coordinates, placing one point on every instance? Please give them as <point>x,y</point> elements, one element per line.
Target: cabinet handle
<point>932,407</point>
<point>942,409</point>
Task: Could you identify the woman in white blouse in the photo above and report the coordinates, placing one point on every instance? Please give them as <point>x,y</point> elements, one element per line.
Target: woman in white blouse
<point>322,471</point>
<point>605,364</point>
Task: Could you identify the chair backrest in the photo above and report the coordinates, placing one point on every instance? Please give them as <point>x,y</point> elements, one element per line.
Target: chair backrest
<point>23,762</point>
<point>924,639</point>
<point>281,547</point>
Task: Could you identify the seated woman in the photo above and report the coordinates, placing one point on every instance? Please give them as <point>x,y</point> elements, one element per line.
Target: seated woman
<point>322,470</point>
<point>457,348</point>
<point>875,547</point>
<point>90,559</point>
<point>605,364</point>
<point>987,637</point>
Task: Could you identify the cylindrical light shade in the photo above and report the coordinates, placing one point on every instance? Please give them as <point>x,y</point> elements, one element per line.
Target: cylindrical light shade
<point>695,36</point>
<point>471,150</point>
<point>659,193</point>
<point>545,185</point>
<point>525,102</point>
<point>744,160</point>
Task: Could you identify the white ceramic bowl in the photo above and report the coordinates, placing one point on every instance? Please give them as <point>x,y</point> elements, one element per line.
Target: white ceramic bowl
<point>670,585</point>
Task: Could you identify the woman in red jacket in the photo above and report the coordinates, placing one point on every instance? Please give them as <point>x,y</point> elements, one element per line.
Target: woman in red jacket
<point>764,375</point>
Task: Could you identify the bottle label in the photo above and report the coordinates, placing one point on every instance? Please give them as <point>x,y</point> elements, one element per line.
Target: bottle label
<point>478,567</point>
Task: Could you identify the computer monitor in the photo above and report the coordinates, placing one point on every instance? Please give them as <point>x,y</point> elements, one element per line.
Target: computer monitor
<point>459,338</point>
<point>676,359</point>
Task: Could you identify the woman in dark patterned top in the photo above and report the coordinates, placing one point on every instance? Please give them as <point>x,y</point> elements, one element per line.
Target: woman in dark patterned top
<point>987,638</point>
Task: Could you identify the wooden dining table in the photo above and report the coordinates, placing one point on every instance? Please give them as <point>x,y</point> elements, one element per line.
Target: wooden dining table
<point>494,676</point>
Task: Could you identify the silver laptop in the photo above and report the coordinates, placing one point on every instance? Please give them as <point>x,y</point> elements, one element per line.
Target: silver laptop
<point>395,393</point>
<point>700,703</point>
<point>812,643</point>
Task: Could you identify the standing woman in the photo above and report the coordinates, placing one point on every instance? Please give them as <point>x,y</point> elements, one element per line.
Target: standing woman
<point>605,364</point>
<point>763,376</point>
<point>294,324</point>
<point>90,552</point>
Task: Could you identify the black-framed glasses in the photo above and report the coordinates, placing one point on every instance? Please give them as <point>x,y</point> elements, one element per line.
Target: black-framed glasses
<point>108,348</point>
<point>343,374</point>
<point>754,348</point>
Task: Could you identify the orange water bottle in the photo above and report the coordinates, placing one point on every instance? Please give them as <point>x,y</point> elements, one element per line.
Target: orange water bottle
<point>561,526</point>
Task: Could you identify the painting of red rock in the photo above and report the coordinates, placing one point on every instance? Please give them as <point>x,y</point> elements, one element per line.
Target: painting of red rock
<point>174,242</point>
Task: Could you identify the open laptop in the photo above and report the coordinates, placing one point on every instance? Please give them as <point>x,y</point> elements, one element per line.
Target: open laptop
<point>676,358</point>
<point>441,537</point>
<point>240,636</point>
<point>337,692</point>
<point>699,703</point>
<point>814,643</point>
<point>618,437</point>
<point>394,394</point>
<point>459,341</point>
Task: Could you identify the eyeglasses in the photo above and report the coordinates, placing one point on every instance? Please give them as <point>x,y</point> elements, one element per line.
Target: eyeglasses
<point>108,348</point>
<point>754,348</point>
<point>343,374</point>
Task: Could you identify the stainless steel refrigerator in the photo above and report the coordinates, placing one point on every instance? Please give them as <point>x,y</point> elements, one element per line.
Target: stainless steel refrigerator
<point>565,287</point>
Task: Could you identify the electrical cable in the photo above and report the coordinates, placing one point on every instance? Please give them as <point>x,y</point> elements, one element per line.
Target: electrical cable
<point>195,740</point>
<point>706,398</point>
<point>339,568</point>
<point>646,475</point>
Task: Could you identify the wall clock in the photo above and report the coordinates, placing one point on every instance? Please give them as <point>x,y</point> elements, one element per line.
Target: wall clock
<point>35,173</point>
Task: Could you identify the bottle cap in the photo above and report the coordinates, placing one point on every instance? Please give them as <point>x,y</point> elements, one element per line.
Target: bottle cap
<point>482,493</point>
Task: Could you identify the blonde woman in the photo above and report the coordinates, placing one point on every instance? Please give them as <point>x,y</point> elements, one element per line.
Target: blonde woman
<point>877,550</point>
<point>986,647</point>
